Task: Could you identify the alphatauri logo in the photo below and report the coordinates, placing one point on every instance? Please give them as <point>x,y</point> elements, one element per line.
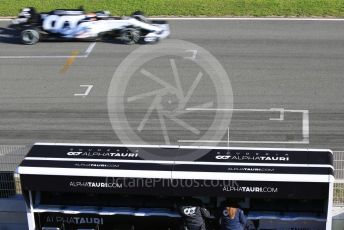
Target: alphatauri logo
<point>74,153</point>
<point>104,154</point>
<point>250,189</point>
<point>91,184</point>
<point>190,211</point>
<point>75,220</point>
<point>254,158</point>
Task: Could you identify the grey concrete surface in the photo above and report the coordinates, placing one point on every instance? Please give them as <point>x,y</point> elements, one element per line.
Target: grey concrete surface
<point>295,65</point>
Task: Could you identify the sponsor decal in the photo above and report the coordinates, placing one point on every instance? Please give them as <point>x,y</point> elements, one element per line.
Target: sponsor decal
<point>94,184</point>
<point>189,211</point>
<point>100,153</point>
<point>267,157</point>
<point>75,220</point>
<point>250,189</point>
<point>251,169</point>
<point>74,153</point>
<point>97,165</point>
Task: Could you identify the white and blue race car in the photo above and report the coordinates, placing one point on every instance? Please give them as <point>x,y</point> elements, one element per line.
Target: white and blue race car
<point>76,24</point>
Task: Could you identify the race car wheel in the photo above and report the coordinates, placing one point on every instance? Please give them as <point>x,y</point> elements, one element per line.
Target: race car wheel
<point>29,36</point>
<point>131,36</point>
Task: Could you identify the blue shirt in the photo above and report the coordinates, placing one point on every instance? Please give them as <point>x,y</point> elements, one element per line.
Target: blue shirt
<point>237,223</point>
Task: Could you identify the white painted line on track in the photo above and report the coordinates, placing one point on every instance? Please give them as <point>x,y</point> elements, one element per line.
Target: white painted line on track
<point>245,142</point>
<point>87,91</point>
<point>194,53</point>
<point>281,117</point>
<point>244,110</point>
<point>245,19</point>
<point>90,48</point>
<point>305,125</point>
<point>87,53</point>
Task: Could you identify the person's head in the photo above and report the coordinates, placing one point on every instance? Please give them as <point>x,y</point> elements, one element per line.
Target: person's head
<point>231,208</point>
<point>230,202</point>
<point>191,201</point>
<point>231,211</point>
<point>27,12</point>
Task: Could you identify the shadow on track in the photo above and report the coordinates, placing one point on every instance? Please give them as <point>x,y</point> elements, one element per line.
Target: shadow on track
<point>12,36</point>
<point>9,35</point>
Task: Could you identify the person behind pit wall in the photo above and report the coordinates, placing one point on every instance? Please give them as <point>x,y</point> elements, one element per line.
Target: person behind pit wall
<point>193,214</point>
<point>232,217</point>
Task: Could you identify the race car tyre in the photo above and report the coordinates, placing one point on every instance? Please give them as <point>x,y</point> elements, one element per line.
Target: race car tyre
<point>30,36</point>
<point>130,36</point>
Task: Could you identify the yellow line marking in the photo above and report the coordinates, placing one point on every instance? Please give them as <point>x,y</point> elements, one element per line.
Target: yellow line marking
<point>69,61</point>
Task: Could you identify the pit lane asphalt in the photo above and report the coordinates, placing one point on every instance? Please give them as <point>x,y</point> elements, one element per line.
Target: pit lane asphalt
<point>295,65</point>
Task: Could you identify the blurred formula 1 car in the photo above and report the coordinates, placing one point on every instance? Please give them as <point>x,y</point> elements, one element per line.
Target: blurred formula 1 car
<point>75,24</point>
